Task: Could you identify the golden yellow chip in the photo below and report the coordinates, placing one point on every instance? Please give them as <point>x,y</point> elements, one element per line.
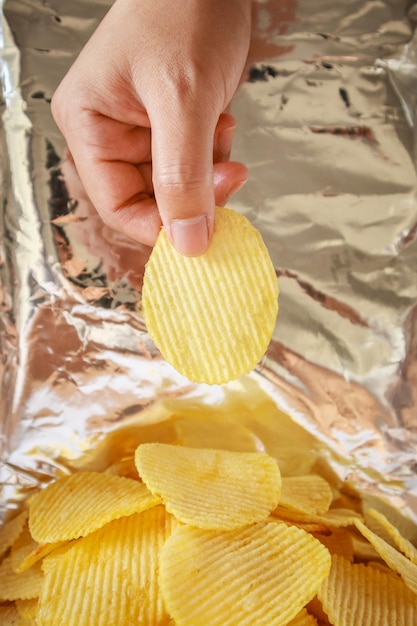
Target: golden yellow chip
<point>110,576</point>
<point>391,534</point>
<point>11,530</point>
<point>78,504</point>
<point>357,595</point>
<point>24,586</point>
<point>339,541</point>
<point>303,619</point>
<point>212,316</point>
<point>9,616</point>
<point>308,494</point>
<point>26,551</point>
<point>262,574</point>
<point>28,609</point>
<point>394,559</point>
<point>334,518</point>
<point>212,489</point>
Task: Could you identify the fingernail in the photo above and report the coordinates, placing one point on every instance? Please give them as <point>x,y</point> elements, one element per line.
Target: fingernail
<point>224,140</point>
<point>190,237</point>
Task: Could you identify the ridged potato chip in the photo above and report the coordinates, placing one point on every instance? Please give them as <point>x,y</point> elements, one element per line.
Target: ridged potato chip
<point>76,505</point>
<point>26,551</point>
<point>394,559</point>
<point>11,530</point>
<point>339,542</point>
<point>212,316</point>
<point>110,576</point>
<point>23,586</point>
<point>212,489</point>
<point>262,574</point>
<point>393,534</point>
<point>334,518</point>
<point>9,616</point>
<point>358,595</point>
<point>28,610</point>
<point>308,494</point>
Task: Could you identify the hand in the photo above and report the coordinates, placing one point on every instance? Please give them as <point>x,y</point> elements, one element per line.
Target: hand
<point>142,111</point>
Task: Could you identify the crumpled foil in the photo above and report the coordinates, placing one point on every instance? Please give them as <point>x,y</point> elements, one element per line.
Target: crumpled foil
<point>326,125</point>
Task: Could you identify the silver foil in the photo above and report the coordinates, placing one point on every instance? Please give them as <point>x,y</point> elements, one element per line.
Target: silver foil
<point>326,126</point>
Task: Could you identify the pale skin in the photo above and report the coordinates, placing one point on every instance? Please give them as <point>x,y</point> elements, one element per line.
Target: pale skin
<point>142,110</point>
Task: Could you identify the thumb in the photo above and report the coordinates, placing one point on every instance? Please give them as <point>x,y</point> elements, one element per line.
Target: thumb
<point>182,170</point>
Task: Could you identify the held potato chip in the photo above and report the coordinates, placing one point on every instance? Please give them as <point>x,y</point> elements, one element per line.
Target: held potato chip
<point>262,574</point>
<point>358,595</point>
<point>78,504</point>
<point>212,316</point>
<point>110,576</point>
<point>212,489</point>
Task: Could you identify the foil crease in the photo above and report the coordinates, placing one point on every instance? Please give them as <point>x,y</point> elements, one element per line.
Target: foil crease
<point>326,125</point>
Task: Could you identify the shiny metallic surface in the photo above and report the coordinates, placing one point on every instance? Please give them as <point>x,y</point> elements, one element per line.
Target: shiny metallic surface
<point>326,126</point>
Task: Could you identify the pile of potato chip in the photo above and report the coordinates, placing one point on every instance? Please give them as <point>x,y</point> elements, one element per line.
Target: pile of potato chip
<point>203,537</point>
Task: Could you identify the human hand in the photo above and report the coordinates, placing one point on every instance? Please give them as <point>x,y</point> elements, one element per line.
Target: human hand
<point>142,111</point>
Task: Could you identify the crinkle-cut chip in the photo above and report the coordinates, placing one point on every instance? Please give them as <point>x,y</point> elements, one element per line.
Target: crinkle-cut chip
<point>28,609</point>
<point>339,541</point>
<point>334,518</point>
<point>394,559</point>
<point>26,551</point>
<point>11,530</point>
<point>23,586</point>
<point>391,533</point>
<point>212,489</point>
<point>212,316</point>
<point>110,576</point>
<point>262,574</point>
<point>308,494</point>
<point>9,615</point>
<point>357,595</point>
<point>76,505</point>
<point>303,619</point>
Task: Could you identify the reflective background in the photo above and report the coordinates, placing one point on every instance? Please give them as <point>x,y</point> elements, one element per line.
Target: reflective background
<point>326,118</point>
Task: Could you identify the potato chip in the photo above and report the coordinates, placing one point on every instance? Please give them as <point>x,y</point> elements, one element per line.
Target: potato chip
<point>358,595</point>
<point>26,551</point>
<point>394,559</point>
<point>308,494</point>
<point>110,576</point>
<point>303,619</point>
<point>262,574</point>
<point>391,533</point>
<point>212,316</point>
<point>78,504</point>
<point>334,518</point>
<point>212,489</point>
<point>9,616</point>
<point>11,530</point>
<point>339,541</point>
<point>28,610</point>
<point>22,586</point>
